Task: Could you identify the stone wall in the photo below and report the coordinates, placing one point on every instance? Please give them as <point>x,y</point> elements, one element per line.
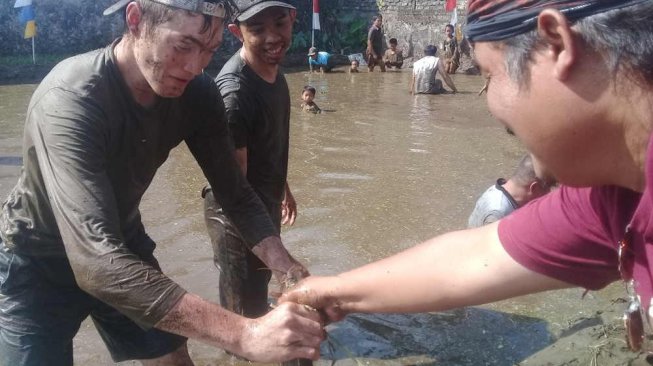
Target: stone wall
<point>417,23</point>
<point>74,26</point>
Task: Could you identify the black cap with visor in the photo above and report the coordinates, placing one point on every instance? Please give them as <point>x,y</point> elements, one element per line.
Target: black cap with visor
<point>197,6</point>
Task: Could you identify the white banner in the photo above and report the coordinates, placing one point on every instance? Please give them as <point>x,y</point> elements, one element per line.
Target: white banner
<point>316,21</point>
<point>454,18</point>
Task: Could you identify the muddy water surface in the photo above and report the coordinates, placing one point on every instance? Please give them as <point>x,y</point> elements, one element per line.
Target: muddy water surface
<point>377,172</point>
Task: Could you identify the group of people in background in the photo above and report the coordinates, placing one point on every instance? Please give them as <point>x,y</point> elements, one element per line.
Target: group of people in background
<point>425,78</point>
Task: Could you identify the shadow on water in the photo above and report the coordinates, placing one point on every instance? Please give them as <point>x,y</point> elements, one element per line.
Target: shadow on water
<point>460,337</point>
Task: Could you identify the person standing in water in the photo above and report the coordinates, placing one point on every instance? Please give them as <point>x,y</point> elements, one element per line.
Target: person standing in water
<point>257,103</point>
<point>72,243</point>
<point>374,51</point>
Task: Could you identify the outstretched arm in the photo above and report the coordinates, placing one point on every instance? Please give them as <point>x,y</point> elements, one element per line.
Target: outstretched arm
<point>456,269</point>
<point>271,250</point>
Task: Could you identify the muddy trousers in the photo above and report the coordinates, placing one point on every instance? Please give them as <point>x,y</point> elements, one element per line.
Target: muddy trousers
<point>244,278</point>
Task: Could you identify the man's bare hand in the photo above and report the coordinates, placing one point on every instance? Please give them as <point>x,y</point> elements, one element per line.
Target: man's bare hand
<point>288,332</point>
<point>318,293</point>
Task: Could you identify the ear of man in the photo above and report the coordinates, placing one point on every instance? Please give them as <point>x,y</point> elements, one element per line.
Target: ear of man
<point>561,47</point>
<point>133,17</point>
<point>534,188</point>
<point>235,30</point>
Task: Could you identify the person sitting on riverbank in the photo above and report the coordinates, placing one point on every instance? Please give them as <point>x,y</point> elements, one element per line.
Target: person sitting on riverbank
<point>451,50</point>
<point>308,105</point>
<point>580,98</point>
<point>354,66</point>
<point>72,241</point>
<point>506,196</point>
<point>425,70</point>
<point>319,59</point>
<point>393,57</point>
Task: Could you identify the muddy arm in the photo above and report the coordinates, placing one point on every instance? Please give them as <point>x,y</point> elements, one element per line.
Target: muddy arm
<point>290,331</point>
<point>446,77</point>
<point>457,269</point>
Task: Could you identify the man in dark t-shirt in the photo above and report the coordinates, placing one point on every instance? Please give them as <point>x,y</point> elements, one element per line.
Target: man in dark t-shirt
<point>374,49</point>
<point>257,104</point>
<point>72,243</point>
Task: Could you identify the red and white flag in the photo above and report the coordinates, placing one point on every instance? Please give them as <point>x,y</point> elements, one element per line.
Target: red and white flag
<point>316,15</point>
<point>450,5</point>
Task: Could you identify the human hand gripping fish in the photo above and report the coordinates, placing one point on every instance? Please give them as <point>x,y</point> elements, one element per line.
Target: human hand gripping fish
<point>288,280</point>
<point>312,292</point>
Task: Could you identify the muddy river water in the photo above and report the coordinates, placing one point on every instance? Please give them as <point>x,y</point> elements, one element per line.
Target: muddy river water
<point>377,172</point>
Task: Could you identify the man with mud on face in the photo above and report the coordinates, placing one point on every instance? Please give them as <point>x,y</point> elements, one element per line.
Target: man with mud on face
<point>72,243</point>
<point>574,81</point>
<point>257,103</point>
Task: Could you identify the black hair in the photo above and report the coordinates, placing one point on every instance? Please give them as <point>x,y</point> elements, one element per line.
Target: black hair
<point>450,26</point>
<point>623,37</point>
<point>393,41</point>
<point>309,89</point>
<point>378,16</point>
<point>430,50</point>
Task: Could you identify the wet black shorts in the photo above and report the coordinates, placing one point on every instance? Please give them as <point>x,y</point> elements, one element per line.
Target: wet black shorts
<point>41,309</point>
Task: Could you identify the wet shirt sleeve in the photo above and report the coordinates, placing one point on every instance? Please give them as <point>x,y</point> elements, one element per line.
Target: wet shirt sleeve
<point>238,112</point>
<point>213,148</point>
<point>571,234</point>
<point>70,143</point>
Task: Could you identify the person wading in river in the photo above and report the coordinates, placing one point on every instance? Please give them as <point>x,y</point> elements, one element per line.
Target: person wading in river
<point>505,196</point>
<point>374,50</point>
<point>257,102</point>
<point>574,81</point>
<point>72,241</point>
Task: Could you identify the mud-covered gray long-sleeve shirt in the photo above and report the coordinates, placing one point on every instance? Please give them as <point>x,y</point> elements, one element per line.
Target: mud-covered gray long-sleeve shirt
<point>90,152</point>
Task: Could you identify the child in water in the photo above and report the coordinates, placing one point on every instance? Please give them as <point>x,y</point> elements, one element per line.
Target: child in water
<point>354,66</point>
<point>308,105</point>
<point>393,57</point>
<point>450,49</point>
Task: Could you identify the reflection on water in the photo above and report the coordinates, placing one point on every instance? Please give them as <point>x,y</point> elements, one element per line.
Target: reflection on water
<point>377,172</point>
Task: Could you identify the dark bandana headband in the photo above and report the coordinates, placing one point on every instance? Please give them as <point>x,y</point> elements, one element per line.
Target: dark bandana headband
<point>494,20</point>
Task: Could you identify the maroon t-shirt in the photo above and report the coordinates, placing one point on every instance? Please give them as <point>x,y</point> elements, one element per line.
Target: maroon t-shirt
<point>572,234</point>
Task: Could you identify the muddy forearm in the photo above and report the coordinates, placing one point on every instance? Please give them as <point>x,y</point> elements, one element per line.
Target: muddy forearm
<point>198,319</point>
<point>275,256</point>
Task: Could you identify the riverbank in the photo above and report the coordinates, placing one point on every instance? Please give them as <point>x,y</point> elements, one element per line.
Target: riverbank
<point>22,71</point>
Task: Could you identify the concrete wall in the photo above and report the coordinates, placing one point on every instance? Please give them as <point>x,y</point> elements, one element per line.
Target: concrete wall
<point>417,23</point>
<point>72,26</point>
